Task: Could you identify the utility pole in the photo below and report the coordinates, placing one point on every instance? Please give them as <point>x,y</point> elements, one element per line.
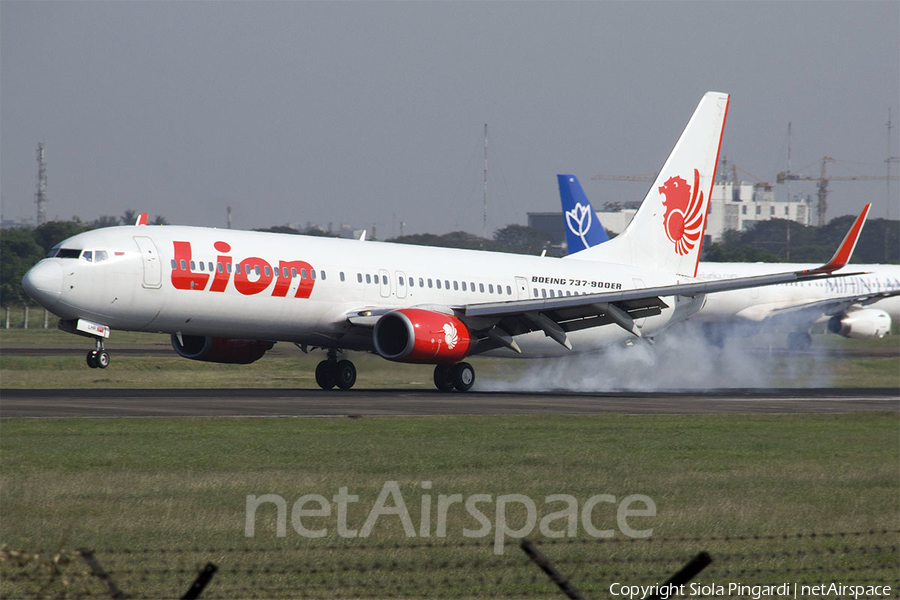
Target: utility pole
<point>41,196</point>
<point>484,229</point>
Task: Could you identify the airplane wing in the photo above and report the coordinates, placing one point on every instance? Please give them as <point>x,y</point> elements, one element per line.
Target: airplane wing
<point>832,306</point>
<point>497,323</point>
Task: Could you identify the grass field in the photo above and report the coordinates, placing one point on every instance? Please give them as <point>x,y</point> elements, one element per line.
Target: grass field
<point>754,362</point>
<point>173,492</point>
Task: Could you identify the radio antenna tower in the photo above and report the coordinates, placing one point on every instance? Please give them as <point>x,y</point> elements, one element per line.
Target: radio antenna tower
<point>40,197</point>
<point>484,226</point>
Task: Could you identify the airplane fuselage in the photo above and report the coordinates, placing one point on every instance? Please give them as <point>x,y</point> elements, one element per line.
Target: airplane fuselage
<point>280,287</point>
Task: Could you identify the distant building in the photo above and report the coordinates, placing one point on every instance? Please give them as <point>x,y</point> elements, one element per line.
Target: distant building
<point>732,206</point>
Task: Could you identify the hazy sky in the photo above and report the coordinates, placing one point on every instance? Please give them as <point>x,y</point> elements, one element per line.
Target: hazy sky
<point>373,112</point>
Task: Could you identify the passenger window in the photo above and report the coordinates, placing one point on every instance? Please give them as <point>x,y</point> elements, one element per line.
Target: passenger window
<point>455,285</point>
<point>429,282</point>
<point>228,267</point>
<point>342,276</point>
<point>464,286</point>
<point>481,287</point>
<point>302,273</point>
<point>439,284</point>
<point>174,264</point>
<point>472,285</point>
<point>202,266</point>
<point>568,293</point>
<point>183,265</point>
<point>100,255</point>
<point>257,269</point>
<point>412,282</point>
<point>491,288</point>
<point>268,272</point>
<point>535,292</point>
<point>210,267</point>
<point>447,284</point>
<point>293,272</point>
<point>237,268</point>
<point>422,283</point>
<point>508,291</point>
<point>368,278</point>
<point>384,279</point>
<point>359,277</point>
<point>551,294</point>
<point>543,293</point>
<point>400,280</point>
<point>193,266</point>
<point>322,275</point>
<point>312,273</point>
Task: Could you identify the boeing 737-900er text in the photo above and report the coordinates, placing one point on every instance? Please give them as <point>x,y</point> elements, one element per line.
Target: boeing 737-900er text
<point>861,306</point>
<point>227,296</point>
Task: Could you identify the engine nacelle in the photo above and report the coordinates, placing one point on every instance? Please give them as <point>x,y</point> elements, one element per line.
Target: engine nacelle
<point>863,324</point>
<point>220,350</point>
<point>415,335</point>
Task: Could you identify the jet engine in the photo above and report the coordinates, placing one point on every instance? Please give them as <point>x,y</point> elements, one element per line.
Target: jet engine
<point>416,335</point>
<point>866,323</point>
<point>220,350</point>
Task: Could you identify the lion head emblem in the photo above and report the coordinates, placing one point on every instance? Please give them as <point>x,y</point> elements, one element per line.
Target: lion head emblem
<point>683,218</point>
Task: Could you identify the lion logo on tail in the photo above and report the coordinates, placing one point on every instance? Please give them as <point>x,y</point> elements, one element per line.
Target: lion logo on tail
<point>683,219</point>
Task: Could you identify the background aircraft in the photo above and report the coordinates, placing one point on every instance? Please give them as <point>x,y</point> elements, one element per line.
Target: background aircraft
<point>861,306</point>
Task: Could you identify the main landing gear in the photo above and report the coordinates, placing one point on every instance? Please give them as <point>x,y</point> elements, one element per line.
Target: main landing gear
<point>460,376</point>
<point>799,340</point>
<point>333,372</point>
<point>98,358</point>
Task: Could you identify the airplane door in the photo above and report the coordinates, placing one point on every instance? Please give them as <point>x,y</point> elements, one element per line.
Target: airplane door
<point>150,257</point>
<point>384,283</point>
<point>401,284</point>
<point>522,288</point>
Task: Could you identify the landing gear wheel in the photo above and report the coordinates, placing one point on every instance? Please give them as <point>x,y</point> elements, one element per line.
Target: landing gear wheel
<point>326,374</point>
<point>103,360</point>
<point>443,380</point>
<point>92,359</point>
<point>799,340</point>
<point>463,376</point>
<point>345,372</point>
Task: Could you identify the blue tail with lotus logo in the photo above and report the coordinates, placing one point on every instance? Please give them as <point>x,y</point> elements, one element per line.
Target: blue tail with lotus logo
<point>583,229</point>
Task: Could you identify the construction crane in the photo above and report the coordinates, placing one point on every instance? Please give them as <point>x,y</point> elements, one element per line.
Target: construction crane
<point>647,177</point>
<point>823,180</point>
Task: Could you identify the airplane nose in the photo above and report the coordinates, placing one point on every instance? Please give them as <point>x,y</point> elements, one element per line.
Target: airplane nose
<point>44,282</point>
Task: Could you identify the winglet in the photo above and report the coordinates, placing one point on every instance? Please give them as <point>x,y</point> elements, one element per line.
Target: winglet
<point>845,250</point>
<point>142,219</point>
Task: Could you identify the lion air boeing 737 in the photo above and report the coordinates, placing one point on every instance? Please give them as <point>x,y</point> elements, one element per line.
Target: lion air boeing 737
<point>228,296</point>
<point>861,306</point>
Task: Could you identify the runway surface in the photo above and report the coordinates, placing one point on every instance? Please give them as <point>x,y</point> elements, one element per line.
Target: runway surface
<point>358,403</point>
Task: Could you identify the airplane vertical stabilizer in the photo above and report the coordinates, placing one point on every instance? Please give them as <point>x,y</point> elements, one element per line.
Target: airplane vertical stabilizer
<point>583,229</point>
<point>667,231</point>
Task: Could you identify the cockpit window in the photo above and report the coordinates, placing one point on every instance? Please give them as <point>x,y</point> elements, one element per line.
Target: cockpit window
<point>100,255</point>
<point>87,255</point>
<point>66,253</point>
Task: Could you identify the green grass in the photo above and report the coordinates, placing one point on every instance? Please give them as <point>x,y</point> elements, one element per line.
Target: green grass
<point>287,367</point>
<point>177,484</point>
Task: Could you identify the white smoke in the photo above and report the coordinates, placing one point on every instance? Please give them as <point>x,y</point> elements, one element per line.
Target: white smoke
<point>680,359</point>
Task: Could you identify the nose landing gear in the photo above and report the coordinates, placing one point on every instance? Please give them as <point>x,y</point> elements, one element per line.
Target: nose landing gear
<point>98,358</point>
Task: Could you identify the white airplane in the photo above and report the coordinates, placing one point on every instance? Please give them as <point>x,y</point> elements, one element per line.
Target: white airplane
<point>861,306</point>
<point>227,296</point>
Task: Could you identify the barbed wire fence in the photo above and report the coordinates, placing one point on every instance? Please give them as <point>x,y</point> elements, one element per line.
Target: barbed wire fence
<point>465,569</point>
